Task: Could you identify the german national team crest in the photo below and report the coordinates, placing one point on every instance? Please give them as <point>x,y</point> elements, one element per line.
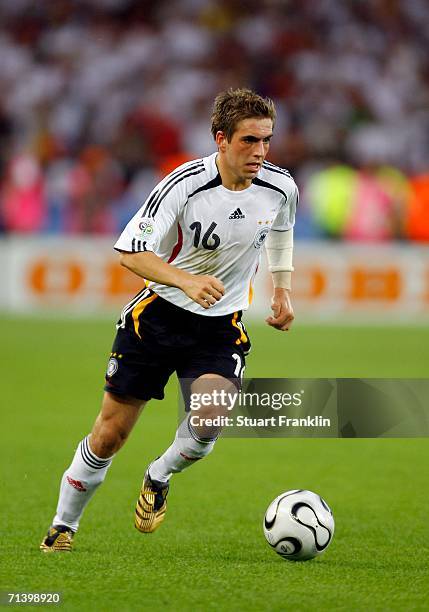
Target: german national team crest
<point>260,236</point>
<point>112,367</point>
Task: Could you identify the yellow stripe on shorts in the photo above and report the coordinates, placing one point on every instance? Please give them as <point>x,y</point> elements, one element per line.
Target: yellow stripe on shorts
<point>138,309</point>
<point>243,337</point>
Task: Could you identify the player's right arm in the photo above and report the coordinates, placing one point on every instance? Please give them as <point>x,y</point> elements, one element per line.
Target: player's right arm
<point>205,290</point>
<point>140,241</point>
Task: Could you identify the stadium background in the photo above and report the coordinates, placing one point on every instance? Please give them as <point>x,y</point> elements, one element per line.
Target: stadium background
<point>99,99</point>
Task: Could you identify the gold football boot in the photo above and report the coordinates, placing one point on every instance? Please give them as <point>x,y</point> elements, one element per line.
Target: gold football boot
<point>58,539</point>
<point>151,504</point>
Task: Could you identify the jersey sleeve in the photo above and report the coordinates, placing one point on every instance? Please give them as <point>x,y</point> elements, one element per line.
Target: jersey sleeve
<point>153,221</point>
<point>285,219</point>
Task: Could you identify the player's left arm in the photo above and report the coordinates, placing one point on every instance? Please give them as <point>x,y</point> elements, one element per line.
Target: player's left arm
<point>279,249</point>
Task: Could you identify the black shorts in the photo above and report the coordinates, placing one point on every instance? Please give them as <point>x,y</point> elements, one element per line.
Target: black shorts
<point>171,339</point>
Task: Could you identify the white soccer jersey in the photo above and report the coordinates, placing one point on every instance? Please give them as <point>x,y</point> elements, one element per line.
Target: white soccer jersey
<point>192,221</point>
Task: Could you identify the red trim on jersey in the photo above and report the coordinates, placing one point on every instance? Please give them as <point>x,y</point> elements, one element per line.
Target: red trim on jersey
<point>178,245</point>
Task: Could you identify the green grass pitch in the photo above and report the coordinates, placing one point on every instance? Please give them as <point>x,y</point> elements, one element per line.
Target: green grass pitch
<point>210,553</point>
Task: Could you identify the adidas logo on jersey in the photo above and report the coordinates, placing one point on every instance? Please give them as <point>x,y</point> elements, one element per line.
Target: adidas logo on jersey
<point>237,214</point>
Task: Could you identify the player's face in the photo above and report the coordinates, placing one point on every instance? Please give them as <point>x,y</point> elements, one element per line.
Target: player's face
<point>242,157</point>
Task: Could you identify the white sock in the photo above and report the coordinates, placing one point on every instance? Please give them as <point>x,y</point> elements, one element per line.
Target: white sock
<point>79,483</point>
<point>186,449</point>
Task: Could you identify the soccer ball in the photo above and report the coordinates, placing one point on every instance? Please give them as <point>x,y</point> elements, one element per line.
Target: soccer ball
<point>299,525</point>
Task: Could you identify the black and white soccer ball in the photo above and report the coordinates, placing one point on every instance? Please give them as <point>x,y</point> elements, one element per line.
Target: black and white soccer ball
<point>299,525</point>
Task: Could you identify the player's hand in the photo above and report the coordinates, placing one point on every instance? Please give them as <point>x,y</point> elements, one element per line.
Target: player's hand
<point>281,306</point>
<point>203,289</point>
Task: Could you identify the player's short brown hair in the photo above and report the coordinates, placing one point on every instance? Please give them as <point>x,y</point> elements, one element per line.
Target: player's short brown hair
<point>234,105</point>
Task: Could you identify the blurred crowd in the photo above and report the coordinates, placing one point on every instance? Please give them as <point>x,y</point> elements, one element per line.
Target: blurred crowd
<point>101,98</point>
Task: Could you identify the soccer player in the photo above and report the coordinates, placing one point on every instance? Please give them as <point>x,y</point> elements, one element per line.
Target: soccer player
<point>197,243</point>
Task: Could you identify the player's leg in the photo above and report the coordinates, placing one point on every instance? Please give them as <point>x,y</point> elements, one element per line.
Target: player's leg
<point>89,466</point>
<point>196,435</point>
<point>116,419</point>
<point>191,443</point>
<point>213,354</point>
